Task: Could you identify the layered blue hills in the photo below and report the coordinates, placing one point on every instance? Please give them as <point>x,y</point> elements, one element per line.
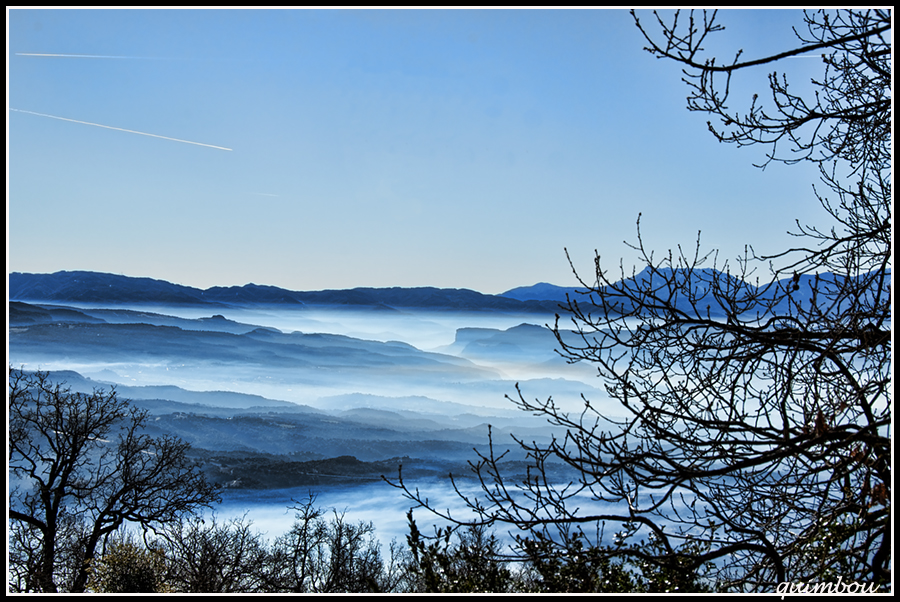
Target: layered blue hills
<point>707,289</point>
<point>708,292</point>
<point>97,287</point>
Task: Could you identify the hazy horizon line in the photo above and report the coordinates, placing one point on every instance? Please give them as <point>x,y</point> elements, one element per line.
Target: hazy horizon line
<point>384,287</point>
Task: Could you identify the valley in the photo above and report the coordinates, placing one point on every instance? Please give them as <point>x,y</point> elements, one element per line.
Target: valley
<point>283,394</point>
<point>282,400</point>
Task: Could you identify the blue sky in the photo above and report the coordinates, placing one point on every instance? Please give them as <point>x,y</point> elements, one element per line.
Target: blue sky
<point>463,148</point>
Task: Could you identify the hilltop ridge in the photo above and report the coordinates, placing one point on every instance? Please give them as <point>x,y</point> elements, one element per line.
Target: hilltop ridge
<point>98,287</point>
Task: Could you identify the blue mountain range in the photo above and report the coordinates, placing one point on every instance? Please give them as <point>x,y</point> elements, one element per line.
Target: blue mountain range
<point>96,287</point>
<point>706,288</point>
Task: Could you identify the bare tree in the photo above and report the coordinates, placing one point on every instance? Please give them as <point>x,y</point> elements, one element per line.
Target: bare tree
<point>756,444</point>
<point>81,468</point>
<point>209,556</point>
<point>319,555</point>
<point>471,562</point>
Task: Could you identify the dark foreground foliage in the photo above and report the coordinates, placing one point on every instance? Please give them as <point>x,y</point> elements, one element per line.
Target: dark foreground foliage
<point>323,552</point>
<point>80,468</point>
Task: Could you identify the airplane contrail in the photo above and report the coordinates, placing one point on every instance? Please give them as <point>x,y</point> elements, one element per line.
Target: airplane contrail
<point>109,127</point>
<point>88,56</point>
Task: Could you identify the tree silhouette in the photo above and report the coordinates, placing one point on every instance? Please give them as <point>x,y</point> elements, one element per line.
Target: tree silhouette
<point>755,447</point>
<point>82,468</point>
<point>126,566</point>
<point>210,556</point>
<point>320,555</point>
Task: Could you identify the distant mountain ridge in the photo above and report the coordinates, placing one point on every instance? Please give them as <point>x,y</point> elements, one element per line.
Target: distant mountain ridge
<point>544,298</point>
<point>540,291</point>
<point>708,287</point>
<point>98,287</point>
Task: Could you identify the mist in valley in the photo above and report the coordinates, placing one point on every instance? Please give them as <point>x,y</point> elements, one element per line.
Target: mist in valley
<point>282,403</point>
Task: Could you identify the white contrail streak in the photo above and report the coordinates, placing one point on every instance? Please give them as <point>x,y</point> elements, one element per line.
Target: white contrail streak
<point>86,56</point>
<point>109,127</point>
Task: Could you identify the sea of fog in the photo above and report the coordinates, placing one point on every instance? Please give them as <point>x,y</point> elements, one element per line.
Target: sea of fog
<point>426,330</point>
<point>432,331</point>
<point>480,380</point>
<point>377,502</point>
<point>271,512</point>
<point>468,382</point>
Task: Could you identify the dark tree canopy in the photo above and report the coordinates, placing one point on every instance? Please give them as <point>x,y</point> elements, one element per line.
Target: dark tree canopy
<point>211,556</point>
<point>318,555</point>
<point>81,468</point>
<point>755,447</point>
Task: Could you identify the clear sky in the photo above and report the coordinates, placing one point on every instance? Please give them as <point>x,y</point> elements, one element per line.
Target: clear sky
<point>461,148</point>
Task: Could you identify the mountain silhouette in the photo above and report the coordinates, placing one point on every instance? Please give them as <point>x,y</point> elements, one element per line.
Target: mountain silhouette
<point>97,287</point>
